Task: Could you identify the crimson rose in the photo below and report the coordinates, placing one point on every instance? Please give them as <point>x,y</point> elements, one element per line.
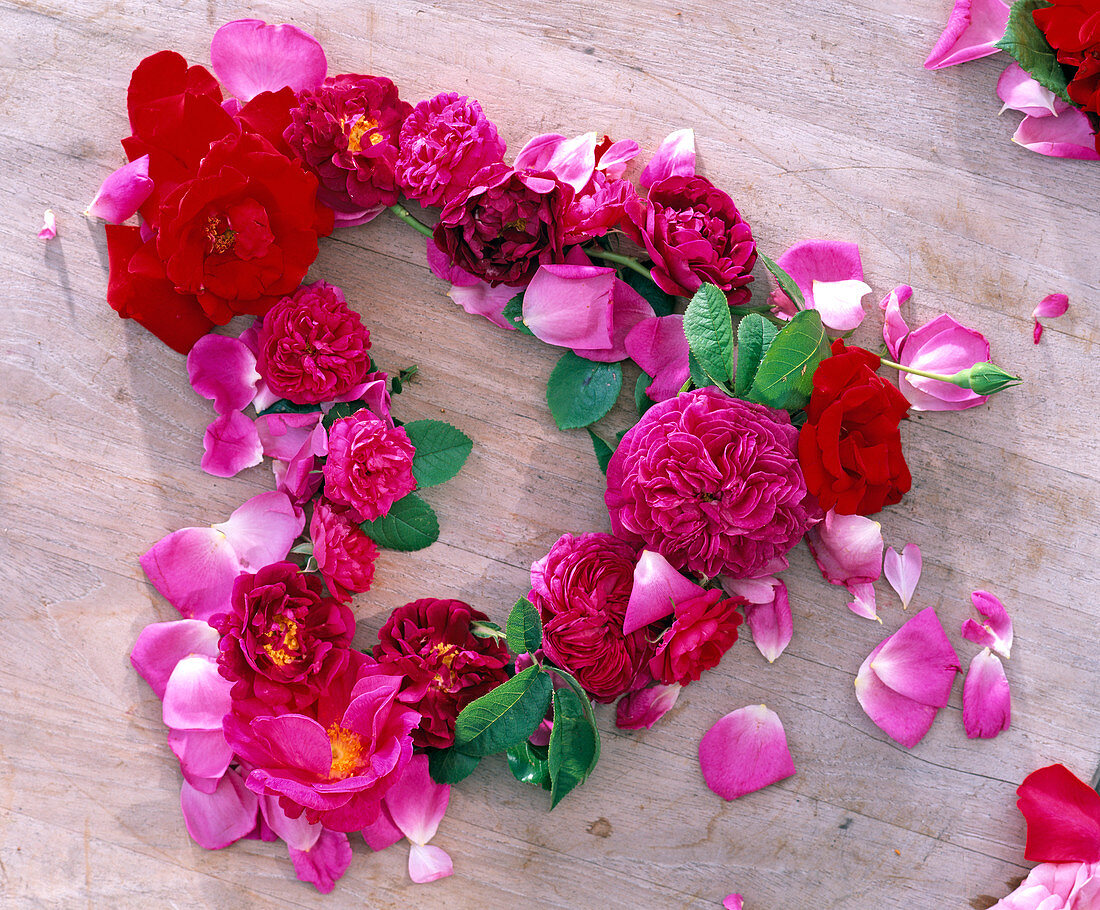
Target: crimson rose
<point>369,465</point>
<point>1073,29</point>
<point>345,555</point>
<point>704,629</point>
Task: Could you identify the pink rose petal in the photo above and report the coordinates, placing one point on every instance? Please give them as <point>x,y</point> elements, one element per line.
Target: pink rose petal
<point>1051,307</point>
<point>848,550</point>
<point>122,193</point>
<point>49,226</point>
<point>230,445</point>
<point>768,613</point>
<point>1069,134</point>
<point>995,629</point>
<point>900,718</point>
<point>325,862</point>
<point>863,602</point>
<point>675,156</point>
<point>817,260</point>
<point>894,327</point>
<point>442,267</point>
<point>283,436</point>
<point>903,571</point>
<point>298,833</point>
<point>223,369</point>
<point>628,310</point>
<point>428,863</point>
<point>215,820</point>
<point>840,303</point>
<point>987,701</point>
<point>482,299</point>
<point>659,347</point>
<point>249,57</point>
<point>617,156</point>
<point>204,756</point>
<point>416,803</point>
<point>570,305</point>
<point>1020,92</point>
<point>194,568</point>
<point>162,645</point>
<point>744,752</point>
<point>644,707</point>
<point>571,161</point>
<point>657,588</point>
<point>263,529</point>
<point>382,832</point>
<point>197,695</point>
<point>917,661</point>
<point>733,902</point>
<point>942,346</point>
<point>973,29</point>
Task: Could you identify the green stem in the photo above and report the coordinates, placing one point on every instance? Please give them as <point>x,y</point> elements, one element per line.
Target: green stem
<point>403,213</point>
<point>916,372</point>
<point>619,259</point>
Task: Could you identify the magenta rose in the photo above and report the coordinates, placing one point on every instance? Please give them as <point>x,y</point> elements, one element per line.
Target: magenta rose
<point>282,641</point>
<point>345,555</point>
<point>507,225</point>
<point>704,629</point>
<point>311,347</point>
<point>369,465</point>
<point>444,665</point>
<point>694,234</point>
<point>581,588</point>
<point>444,142</point>
<point>711,483</point>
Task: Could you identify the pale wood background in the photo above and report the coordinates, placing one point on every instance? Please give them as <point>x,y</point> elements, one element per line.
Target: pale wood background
<point>820,121</point>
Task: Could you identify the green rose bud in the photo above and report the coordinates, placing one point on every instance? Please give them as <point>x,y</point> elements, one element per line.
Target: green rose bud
<point>985,379</point>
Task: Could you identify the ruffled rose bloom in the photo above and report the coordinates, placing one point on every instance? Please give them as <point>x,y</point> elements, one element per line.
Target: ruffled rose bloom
<point>581,588</point>
<point>311,347</point>
<point>694,234</point>
<point>369,465</point>
<point>850,445</point>
<point>346,133</point>
<point>711,483</point>
<point>444,142</point>
<point>1056,886</point>
<point>282,642</point>
<point>507,225</point>
<point>1073,29</point>
<point>704,629</point>
<point>345,555</point>
<point>444,665</point>
<point>601,207</point>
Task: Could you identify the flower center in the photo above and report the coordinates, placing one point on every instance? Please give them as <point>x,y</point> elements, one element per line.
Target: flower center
<point>347,752</point>
<point>363,126</point>
<point>282,644</point>
<point>445,653</point>
<point>520,224</point>
<point>219,238</point>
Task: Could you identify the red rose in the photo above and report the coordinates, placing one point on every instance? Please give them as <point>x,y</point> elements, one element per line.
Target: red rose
<point>850,447</point>
<point>704,629</point>
<point>1073,29</point>
<point>369,465</point>
<point>444,664</point>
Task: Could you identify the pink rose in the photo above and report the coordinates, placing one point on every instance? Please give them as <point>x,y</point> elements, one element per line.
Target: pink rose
<point>369,465</point>
<point>704,630</point>
<point>345,555</point>
<point>711,483</point>
<point>1056,886</point>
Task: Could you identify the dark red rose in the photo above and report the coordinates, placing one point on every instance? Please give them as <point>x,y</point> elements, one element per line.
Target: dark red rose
<point>850,446</point>
<point>704,629</point>
<point>345,555</point>
<point>444,664</point>
<point>694,235</point>
<point>1073,29</point>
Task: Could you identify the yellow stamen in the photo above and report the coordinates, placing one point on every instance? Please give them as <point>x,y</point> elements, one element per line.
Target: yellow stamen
<point>347,752</point>
<point>282,644</point>
<point>359,128</point>
<point>218,236</point>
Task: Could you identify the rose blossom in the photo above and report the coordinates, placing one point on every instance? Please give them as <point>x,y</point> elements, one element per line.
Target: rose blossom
<point>704,630</point>
<point>311,347</point>
<point>443,143</point>
<point>582,588</point>
<point>694,234</point>
<point>444,665</point>
<point>1073,29</point>
<point>345,555</point>
<point>711,483</point>
<point>850,446</point>
<point>369,465</point>
<point>1056,886</point>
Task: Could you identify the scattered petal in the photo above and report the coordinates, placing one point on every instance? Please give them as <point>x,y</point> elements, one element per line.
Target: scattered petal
<point>863,602</point>
<point>987,701</point>
<point>659,347</point>
<point>1069,134</point>
<point>900,718</point>
<point>822,261</point>
<point>194,568</point>
<point>995,629</point>
<point>1051,307</point>
<point>416,803</point>
<point>571,161</point>
<point>382,832</point>
<point>324,863</point>
<point>675,156</point>
<point>263,529</point>
<point>848,550</point>
<point>197,695</point>
<point>162,645</point>
<point>570,305</point>
<point>644,707</point>
<point>1037,332</point>
<point>657,588</point>
<point>1063,817</point>
<point>230,445</point>
<point>894,327</point>
<point>628,310</point>
<point>917,661</point>
<point>768,613</point>
<point>1020,92</point>
<point>840,303</point>
<point>733,902</point>
<point>972,31</point>
<point>428,863</point>
<point>617,156</point>
<point>223,369</point>
<point>49,226</point>
<point>215,820</point>
<point>249,57</point>
<point>903,571</point>
<point>744,752</point>
<point>123,192</point>
<point>204,756</point>
<point>482,299</point>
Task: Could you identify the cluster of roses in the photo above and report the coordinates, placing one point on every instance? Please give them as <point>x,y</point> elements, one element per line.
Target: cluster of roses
<point>1055,81</point>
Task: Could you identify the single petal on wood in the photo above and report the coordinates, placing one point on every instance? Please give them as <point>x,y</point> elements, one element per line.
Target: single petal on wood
<point>917,661</point>
<point>840,303</point>
<point>1067,135</point>
<point>416,803</point>
<point>675,156</point>
<point>987,701</point>
<point>903,570</point>
<point>1020,92</point>
<point>230,445</point>
<point>1063,817</point>
<point>1051,306</point>
<point>657,588</point>
<point>223,369</point>
<point>263,529</point>
<point>744,752</point>
<point>644,707</point>
<point>49,226</point>
<point>973,30</point>
<point>818,260</point>
<point>847,548</point>
<point>429,863</point>
<point>995,628</point>
<point>899,717</point>
<point>324,863</point>
<point>215,820</point>
<point>194,568</point>
<point>249,57</point>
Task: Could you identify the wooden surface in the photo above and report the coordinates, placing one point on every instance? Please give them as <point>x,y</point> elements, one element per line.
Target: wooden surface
<point>818,123</point>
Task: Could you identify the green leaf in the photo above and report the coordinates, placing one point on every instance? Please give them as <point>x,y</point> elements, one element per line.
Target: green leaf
<point>571,680</point>
<point>785,377</point>
<point>441,451</point>
<point>449,766</point>
<point>709,331</point>
<point>574,745</point>
<point>642,402</point>
<point>410,525</point>
<point>524,628</point>
<point>506,716</point>
<point>284,406</point>
<point>513,313</point>
<point>786,282</point>
<point>341,409</point>
<point>529,765</point>
<point>662,303</point>
<point>1024,41</point>
<point>602,449</point>
<point>582,391</point>
<point>483,628</point>
<point>397,382</point>
<point>754,337</point>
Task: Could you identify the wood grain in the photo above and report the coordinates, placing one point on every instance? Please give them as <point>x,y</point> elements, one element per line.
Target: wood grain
<point>819,122</point>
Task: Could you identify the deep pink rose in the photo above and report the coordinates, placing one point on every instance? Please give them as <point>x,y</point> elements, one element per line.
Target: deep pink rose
<point>598,209</point>
<point>704,629</point>
<point>444,665</point>
<point>444,142</point>
<point>345,555</point>
<point>507,225</point>
<point>711,483</point>
<point>369,465</point>
<point>282,642</point>
<point>311,347</point>
<point>581,588</point>
<point>694,234</point>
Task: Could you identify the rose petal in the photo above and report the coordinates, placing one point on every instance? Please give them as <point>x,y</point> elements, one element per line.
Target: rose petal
<point>197,695</point>
<point>894,327</point>
<point>123,192</point>
<point>675,156</point>
<point>249,57</point>
<point>917,661</point>
<point>987,701</point>
<point>644,707</point>
<point>995,629</point>
<point>298,833</point>
<point>570,306</point>
<point>840,303</point>
<point>863,600</point>
<point>482,299</point>
<point>442,267</point>
<point>572,161</point>
<point>659,347</point>
<point>204,756</point>
<point>382,832</point>
<point>1020,92</point>
<point>973,29</point>
<point>657,588</point>
<point>628,310</point>
<point>215,820</point>
<point>617,156</point>
<point>49,226</point>
<point>223,369</point>
<point>818,260</point>
<point>162,645</point>
<point>194,568</point>
<point>230,445</point>
<point>1063,817</point>
<point>416,803</point>
<point>733,902</point>
<point>1069,134</point>
<point>900,718</point>
<point>1051,307</point>
<point>325,862</point>
<point>847,548</point>
<point>426,864</point>
<point>283,436</point>
<point>744,752</point>
<point>263,529</point>
<point>903,571</point>
<point>769,621</point>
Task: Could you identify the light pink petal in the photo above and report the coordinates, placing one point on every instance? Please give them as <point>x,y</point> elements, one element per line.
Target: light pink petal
<point>416,803</point>
<point>123,192</point>
<point>942,346</point>
<point>628,310</point>
<point>427,864</point>
<point>644,707</point>
<point>863,599</point>
<point>900,718</point>
<point>263,529</point>
<point>162,645</point>
<point>973,29</point>
<point>1067,135</point>
<point>324,863</point>
<point>49,226</point>
<point>223,369</point>
<point>570,160</point>
<point>204,756</point>
<point>197,695</point>
<point>570,305</point>
<point>482,299</point>
<point>283,436</point>
<point>675,157</point>
<point>840,303</point>
<point>770,621</point>
<point>1020,92</point>
<point>442,267</point>
<point>744,752</point>
<point>918,662</point>
<point>215,820</point>
<point>733,902</point>
<point>1051,307</point>
<point>357,217</point>
<point>995,629</point>
<point>658,587</point>
<point>231,444</point>
<point>848,548</point>
<point>298,833</point>
<point>987,702</point>
<point>894,327</point>
<point>659,347</point>
<point>816,260</point>
<point>382,832</point>
<point>249,57</point>
<point>537,151</point>
<point>617,156</point>
<point>194,568</point>
<point>903,570</point>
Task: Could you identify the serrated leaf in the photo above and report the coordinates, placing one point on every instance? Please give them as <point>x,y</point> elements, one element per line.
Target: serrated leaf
<point>754,337</point>
<point>529,765</point>
<point>449,766</point>
<point>1024,41</point>
<point>524,628</point>
<point>709,331</point>
<point>341,409</point>
<point>574,745</point>
<point>602,449</point>
<point>785,281</point>
<point>506,716</point>
<point>441,451</point>
<point>571,681</point>
<point>581,391</point>
<point>785,377</point>
<point>662,303</point>
<point>513,314</point>
<point>410,525</point>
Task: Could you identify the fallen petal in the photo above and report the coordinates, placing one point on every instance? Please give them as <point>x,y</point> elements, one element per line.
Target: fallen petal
<point>987,701</point>
<point>1051,307</point>
<point>482,299</point>
<point>863,601</point>
<point>204,756</point>
<point>628,310</point>
<point>49,226</point>
<point>900,718</point>
<point>426,864</point>
<point>903,571</point>
<point>675,156</point>
<point>840,303</point>
<point>744,752</point>
<point>658,587</point>
<point>325,862</point>
<point>917,661</point>
<point>223,369</point>
<point>1063,817</point>
<point>973,29</point>
<point>817,260</point>
<point>230,445</point>
<point>298,833</point>
<point>382,832</point>
<point>215,820</point>
<point>847,548</point>
<point>162,645</point>
<point>194,568</point>
<point>123,192</point>
<point>197,695</point>
<point>263,529</point>
<point>644,707</point>
<point>416,803</point>
<point>894,327</point>
<point>249,57</point>
<point>1067,135</point>
<point>570,305</point>
<point>995,629</point>
<point>769,621</point>
<point>659,347</point>
<point>733,902</point>
<point>1020,92</point>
